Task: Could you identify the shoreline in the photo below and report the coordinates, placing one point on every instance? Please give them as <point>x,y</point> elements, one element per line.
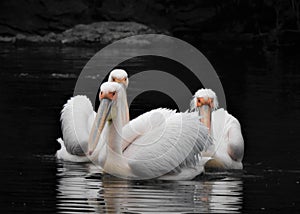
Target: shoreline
<point>101,33</point>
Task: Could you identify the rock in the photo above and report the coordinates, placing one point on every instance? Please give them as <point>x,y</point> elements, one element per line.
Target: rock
<point>49,20</point>
<point>7,39</point>
<point>41,16</point>
<point>104,32</point>
<point>99,32</point>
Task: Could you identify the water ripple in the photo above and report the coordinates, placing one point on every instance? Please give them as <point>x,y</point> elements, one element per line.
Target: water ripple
<point>81,189</point>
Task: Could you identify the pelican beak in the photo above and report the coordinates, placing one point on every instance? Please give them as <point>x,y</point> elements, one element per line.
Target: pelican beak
<point>102,116</point>
<point>204,106</point>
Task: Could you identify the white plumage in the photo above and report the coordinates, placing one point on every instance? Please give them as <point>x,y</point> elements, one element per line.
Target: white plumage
<point>63,154</point>
<point>77,118</point>
<point>228,147</point>
<point>121,76</point>
<point>227,150</point>
<point>118,75</point>
<point>167,146</point>
<point>144,123</point>
<point>172,145</point>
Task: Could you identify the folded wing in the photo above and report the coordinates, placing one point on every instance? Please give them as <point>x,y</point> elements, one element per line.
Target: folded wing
<point>174,144</point>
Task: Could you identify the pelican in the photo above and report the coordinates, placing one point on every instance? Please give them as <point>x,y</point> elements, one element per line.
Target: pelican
<point>168,150</point>
<point>77,119</point>
<point>228,149</point>
<point>121,76</point>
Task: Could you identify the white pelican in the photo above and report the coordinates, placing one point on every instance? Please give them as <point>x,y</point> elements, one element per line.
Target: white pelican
<point>120,76</point>
<point>169,149</point>
<point>228,149</point>
<point>77,118</point>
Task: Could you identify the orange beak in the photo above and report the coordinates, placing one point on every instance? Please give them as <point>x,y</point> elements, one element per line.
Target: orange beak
<point>106,100</point>
<point>205,104</point>
<point>205,101</point>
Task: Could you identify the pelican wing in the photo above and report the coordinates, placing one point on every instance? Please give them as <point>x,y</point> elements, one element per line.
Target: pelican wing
<point>77,119</point>
<point>175,143</point>
<point>143,124</point>
<point>226,128</point>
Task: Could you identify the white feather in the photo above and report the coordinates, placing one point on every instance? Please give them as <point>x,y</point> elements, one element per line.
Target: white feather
<point>187,173</point>
<point>144,123</point>
<point>227,135</point>
<point>174,144</point>
<point>62,154</point>
<point>228,146</point>
<point>169,146</point>
<point>77,119</point>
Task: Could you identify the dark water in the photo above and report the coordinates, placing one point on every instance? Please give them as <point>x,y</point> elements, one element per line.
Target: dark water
<point>261,92</point>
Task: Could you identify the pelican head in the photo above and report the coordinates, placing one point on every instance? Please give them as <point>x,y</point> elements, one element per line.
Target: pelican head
<point>110,93</point>
<point>120,76</point>
<point>205,101</point>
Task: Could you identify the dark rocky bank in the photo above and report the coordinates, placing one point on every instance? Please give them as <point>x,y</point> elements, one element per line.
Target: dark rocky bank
<point>98,32</point>
<point>275,22</point>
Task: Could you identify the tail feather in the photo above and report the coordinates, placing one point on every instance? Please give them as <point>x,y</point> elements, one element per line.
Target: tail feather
<point>61,142</point>
<point>62,154</point>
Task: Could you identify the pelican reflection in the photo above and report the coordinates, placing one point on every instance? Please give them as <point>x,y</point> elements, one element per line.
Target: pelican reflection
<point>82,188</point>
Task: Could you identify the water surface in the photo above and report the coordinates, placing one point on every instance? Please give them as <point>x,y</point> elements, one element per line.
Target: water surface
<point>261,92</point>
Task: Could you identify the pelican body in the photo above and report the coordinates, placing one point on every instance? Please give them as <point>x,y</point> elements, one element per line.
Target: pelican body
<point>77,118</point>
<point>167,148</point>
<point>227,150</point>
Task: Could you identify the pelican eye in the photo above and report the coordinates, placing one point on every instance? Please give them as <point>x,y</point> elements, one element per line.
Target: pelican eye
<point>113,93</point>
<point>113,79</point>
